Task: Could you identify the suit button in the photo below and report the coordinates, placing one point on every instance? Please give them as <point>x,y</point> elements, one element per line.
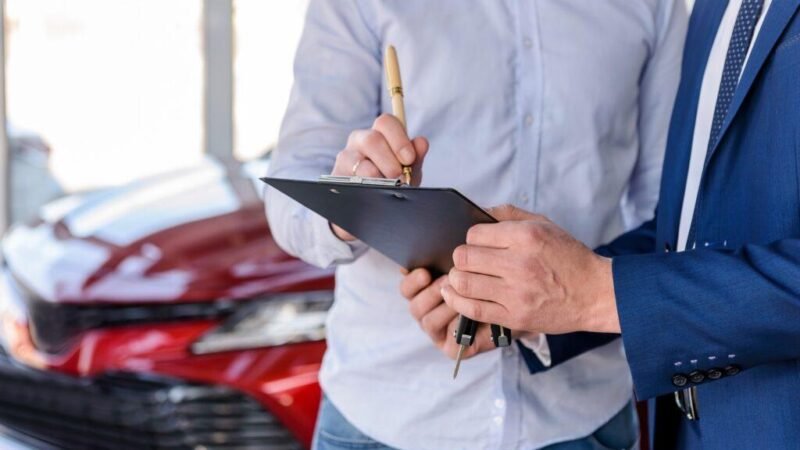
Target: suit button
<point>679,380</point>
<point>732,370</point>
<point>714,374</point>
<point>697,376</point>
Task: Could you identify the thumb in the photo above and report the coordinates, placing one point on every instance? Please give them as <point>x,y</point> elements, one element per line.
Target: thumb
<point>421,147</point>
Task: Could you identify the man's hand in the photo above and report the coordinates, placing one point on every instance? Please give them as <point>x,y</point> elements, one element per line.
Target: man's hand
<point>380,152</point>
<point>436,318</point>
<point>528,274</point>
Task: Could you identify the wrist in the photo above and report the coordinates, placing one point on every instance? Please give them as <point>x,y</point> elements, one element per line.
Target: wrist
<point>601,301</point>
<point>340,233</point>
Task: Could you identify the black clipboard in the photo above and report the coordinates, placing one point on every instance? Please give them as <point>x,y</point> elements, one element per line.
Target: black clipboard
<point>413,226</point>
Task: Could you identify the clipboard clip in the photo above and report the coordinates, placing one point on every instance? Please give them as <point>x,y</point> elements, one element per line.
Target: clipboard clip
<point>368,181</point>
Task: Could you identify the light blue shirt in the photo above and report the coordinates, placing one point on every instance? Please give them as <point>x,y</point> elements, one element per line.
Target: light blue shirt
<point>557,106</point>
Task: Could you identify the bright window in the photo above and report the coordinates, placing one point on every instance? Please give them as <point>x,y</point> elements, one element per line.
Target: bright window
<point>115,87</point>
<point>266,36</point>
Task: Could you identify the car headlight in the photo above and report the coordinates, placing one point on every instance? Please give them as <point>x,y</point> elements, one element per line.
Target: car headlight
<point>283,319</point>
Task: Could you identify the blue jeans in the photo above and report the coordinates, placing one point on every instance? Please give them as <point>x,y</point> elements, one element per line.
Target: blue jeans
<point>334,432</point>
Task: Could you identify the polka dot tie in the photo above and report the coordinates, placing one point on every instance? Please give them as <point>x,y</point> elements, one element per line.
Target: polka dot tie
<point>734,60</point>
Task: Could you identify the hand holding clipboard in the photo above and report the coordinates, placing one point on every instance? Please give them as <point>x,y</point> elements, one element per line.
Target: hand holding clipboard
<point>415,227</point>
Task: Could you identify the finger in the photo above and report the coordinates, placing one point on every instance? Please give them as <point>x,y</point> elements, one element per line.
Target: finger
<point>497,235</point>
<point>395,134</point>
<point>345,161</point>
<point>414,282</point>
<point>510,212</point>
<point>372,146</point>
<point>427,300</point>
<point>367,169</point>
<point>485,260</point>
<point>421,147</point>
<point>435,323</point>
<point>479,310</point>
<point>477,286</point>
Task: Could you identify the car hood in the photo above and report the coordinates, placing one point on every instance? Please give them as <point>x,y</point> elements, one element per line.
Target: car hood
<point>195,235</point>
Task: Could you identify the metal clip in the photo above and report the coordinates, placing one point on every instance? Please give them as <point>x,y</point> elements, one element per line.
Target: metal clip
<point>687,402</point>
<point>392,182</point>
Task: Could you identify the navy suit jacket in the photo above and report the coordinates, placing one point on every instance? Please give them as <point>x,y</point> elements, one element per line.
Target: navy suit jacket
<point>734,300</point>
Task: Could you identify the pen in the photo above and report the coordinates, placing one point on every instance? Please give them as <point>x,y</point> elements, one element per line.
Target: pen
<point>395,86</point>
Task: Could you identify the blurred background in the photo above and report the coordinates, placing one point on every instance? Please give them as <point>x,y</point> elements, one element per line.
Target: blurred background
<point>117,90</point>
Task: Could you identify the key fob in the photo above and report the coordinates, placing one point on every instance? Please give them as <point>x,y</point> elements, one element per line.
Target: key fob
<point>465,333</point>
<point>501,336</point>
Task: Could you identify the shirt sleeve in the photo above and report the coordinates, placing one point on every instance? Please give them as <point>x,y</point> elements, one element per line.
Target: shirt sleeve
<point>658,86</point>
<point>337,82</point>
<point>539,346</point>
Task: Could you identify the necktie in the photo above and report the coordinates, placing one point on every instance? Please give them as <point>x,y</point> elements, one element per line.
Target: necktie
<point>742,35</point>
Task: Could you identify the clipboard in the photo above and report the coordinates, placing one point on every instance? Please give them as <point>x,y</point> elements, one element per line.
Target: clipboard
<point>413,226</point>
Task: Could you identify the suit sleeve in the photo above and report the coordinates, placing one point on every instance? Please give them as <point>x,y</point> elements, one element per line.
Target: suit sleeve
<point>737,309</point>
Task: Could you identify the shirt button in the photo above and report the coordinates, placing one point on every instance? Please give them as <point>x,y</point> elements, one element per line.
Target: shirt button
<point>527,42</point>
<point>500,403</point>
<point>498,420</point>
<point>524,198</point>
<point>507,352</point>
<point>528,120</point>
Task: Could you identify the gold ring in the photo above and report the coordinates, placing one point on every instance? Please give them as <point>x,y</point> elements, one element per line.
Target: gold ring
<point>355,166</point>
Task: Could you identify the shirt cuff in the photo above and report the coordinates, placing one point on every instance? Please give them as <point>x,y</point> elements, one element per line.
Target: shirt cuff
<point>335,250</point>
<point>538,344</point>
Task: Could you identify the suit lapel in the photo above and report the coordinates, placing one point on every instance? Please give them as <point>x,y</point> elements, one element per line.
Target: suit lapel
<point>703,26</point>
<point>779,15</point>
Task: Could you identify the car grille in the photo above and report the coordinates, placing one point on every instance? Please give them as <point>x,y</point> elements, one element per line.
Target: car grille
<point>123,412</point>
<point>52,325</point>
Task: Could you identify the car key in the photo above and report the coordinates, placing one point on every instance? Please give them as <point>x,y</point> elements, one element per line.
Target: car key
<point>465,336</point>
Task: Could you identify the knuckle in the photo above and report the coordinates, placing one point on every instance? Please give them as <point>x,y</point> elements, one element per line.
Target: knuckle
<point>372,139</point>
<point>381,121</point>
<point>530,233</point>
<point>354,137</point>
<point>505,209</point>
<point>372,171</point>
<point>460,282</point>
<point>473,310</point>
<point>427,325</point>
<point>414,309</point>
<point>341,157</point>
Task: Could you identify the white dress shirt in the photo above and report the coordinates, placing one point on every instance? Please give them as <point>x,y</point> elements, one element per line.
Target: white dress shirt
<point>560,107</point>
<point>712,78</point>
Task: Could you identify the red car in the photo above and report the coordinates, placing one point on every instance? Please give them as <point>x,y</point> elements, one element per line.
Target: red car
<point>160,315</point>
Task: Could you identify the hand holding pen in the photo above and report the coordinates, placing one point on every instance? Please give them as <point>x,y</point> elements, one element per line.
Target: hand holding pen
<point>385,150</point>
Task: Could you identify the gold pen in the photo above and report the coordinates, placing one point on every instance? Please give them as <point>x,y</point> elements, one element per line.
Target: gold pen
<point>396,93</point>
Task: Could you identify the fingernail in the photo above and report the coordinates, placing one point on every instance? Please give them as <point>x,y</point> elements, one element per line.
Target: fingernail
<point>406,155</point>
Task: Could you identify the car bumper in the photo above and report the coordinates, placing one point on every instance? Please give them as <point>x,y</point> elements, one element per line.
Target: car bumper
<point>124,411</point>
